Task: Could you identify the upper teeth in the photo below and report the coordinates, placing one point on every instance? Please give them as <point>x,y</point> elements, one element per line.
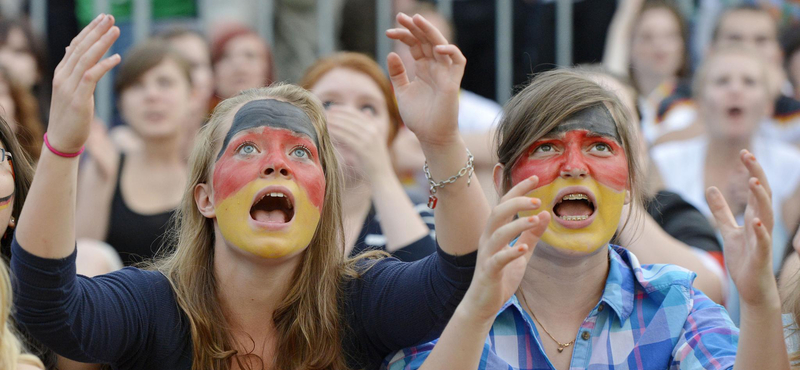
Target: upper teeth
<point>575,197</point>
<point>279,195</point>
<point>574,218</point>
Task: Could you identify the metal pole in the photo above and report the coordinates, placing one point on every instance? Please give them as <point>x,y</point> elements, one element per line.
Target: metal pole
<point>325,27</point>
<point>564,33</point>
<point>141,20</point>
<point>445,8</point>
<point>503,57</point>
<point>39,17</point>
<point>383,21</point>
<point>266,20</point>
<point>102,94</point>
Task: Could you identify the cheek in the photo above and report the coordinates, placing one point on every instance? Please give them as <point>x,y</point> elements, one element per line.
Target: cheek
<point>311,178</point>
<point>547,170</point>
<point>230,175</point>
<point>611,171</point>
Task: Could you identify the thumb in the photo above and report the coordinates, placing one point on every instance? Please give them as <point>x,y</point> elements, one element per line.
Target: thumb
<point>531,236</point>
<point>397,71</point>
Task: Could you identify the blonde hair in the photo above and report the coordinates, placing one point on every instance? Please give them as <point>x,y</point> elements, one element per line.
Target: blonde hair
<point>550,99</point>
<point>308,321</point>
<point>10,347</point>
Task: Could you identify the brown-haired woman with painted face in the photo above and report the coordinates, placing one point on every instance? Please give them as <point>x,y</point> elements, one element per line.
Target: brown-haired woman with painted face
<point>257,278</point>
<point>363,121</point>
<point>126,198</point>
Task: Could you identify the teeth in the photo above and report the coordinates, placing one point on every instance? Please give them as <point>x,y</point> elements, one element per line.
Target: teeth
<point>277,195</point>
<point>574,218</point>
<point>575,197</point>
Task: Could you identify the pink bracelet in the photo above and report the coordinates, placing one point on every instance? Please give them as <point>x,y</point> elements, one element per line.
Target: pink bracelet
<point>61,154</point>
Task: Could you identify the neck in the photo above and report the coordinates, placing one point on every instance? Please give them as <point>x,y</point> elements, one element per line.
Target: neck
<point>647,83</point>
<point>165,150</point>
<point>564,287</point>
<point>251,289</point>
<point>723,150</point>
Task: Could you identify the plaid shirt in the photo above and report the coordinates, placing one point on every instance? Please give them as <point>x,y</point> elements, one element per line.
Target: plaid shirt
<point>649,317</point>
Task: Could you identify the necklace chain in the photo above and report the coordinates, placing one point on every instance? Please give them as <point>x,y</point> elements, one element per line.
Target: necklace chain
<point>561,346</point>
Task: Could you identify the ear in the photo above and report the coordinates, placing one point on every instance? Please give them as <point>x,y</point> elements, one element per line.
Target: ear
<point>202,198</point>
<point>497,176</point>
<point>627,196</point>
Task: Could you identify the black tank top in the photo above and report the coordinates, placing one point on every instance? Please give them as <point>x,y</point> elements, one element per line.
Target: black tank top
<point>136,237</point>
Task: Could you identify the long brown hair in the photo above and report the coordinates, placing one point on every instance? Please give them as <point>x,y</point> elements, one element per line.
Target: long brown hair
<point>549,100</point>
<point>684,69</point>
<point>22,165</point>
<point>308,323</point>
<point>363,64</point>
<point>29,127</point>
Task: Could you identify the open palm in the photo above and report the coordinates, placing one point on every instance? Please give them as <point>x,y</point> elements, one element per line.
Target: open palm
<point>429,104</point>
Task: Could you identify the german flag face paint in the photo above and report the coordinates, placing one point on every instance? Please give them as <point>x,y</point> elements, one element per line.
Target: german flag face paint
<point>268,182</point>
<point>583,179</point>
<point>6,201</point>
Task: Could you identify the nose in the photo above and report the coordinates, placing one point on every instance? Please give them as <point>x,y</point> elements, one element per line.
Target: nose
<point>277,167</point>
<point>574,166</point>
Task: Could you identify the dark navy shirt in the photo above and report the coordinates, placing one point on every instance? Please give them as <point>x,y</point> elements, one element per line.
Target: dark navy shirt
<point>130,318</point>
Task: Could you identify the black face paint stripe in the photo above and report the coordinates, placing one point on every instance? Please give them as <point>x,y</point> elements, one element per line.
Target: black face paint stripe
<point>270,113</point>
<point>595,119</point>
<point>7,198</point>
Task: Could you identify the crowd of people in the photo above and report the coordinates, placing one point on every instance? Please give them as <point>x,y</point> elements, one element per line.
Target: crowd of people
<point>639,212</point>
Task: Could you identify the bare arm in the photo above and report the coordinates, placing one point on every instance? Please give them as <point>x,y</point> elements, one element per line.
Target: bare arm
<point>651,244</point>
<point>616,57</point>
<point>748,254</point>
<point>93,208</point>
<point>429,107</point>
<point>47,223</point>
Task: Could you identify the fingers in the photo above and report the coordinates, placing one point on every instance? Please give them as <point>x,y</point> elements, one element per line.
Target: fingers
<point>763,240</point>
<point>431,33</point>
<point>397,72</point>
<point>506,233</point>
<point>520,189</point>
<point>532,235</point>
<point>720,209</point>
<point>89,80</point>
<point>506,210</point>
<point>755,169</point>
<point>75,41</point>
<point>453,52</point>
<point>505,256</point>
<point>86,44</point>
<point>425,44</point>
<point>405,36</point>
<point>90,58</point>
<point>760,202</point>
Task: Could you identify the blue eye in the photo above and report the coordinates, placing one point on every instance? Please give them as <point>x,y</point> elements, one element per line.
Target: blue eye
<point>246,149</point>
<point>300,152</point>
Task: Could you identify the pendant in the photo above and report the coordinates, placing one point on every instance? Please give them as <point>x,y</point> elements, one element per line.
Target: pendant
<point>560,349</point>
<point>432,201</point>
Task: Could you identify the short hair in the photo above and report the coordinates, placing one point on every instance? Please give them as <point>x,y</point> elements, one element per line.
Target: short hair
<point>146,56</point>
<point>363,64</point>
<point>740,8</point>
<point>220,41</point>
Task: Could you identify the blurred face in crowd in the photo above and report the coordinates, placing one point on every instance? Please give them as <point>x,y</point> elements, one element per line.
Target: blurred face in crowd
<point>243,66</point>
<point>195,50</point>
<point>753,29</point>
<point>7,191</point>
<point>16,55</point>
<point>351,99</point>
<point>735,95</point>
<point>657,47</point>
<point>158,103</point>
<point>7,107</point>
<point>794,72</point>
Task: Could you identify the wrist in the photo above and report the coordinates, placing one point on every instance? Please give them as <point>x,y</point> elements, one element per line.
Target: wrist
<point>60,149</point>
<point>467,314</point>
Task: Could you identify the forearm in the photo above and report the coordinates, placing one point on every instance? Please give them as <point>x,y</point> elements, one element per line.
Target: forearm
<point>461,343</point>
<point>93,207</point>
<point>400,223</point>
<point>47,222</point>
<point>651,244</point>
<point>616,57</point>
<point>480,144</point>
<point>761,342</point>
<point>461,211</point>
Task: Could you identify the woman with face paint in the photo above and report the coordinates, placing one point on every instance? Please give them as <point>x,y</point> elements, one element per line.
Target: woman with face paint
<point>575,301</point>
<point>363,121</point>
<point>126,198</point>
<point>257,278</point>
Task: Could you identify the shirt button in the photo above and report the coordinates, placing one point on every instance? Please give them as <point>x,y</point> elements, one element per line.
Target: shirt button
<point>600,308</point>
<point>585,335</point>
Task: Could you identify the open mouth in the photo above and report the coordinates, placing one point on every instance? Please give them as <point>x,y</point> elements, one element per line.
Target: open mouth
<point>735,112</point>
<point>574,207</point>
<point>273,206</point>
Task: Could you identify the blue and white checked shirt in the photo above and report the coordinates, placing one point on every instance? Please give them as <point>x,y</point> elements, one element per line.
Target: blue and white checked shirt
<point>649,317</point>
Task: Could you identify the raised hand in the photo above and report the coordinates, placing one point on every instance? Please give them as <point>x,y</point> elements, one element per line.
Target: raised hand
<point>429,104</point>
<point>500,268</point>
<point>74,82</point>
<point>748,248</point>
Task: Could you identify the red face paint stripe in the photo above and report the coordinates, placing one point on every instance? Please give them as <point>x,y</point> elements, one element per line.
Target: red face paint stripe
<point>610,170</point>
<point>232,172</point>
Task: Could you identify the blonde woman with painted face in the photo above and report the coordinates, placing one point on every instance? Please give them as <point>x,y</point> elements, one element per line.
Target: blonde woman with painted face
<point>257,278</point>
<point>572,300</point>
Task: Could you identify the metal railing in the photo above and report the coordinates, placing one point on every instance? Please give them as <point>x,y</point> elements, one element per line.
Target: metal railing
<point>142,24</point>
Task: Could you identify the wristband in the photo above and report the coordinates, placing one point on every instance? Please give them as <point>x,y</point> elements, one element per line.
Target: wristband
<point>61,154</point>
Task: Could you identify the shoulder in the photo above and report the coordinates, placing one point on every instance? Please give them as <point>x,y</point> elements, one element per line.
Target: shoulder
<point>786,108</point>
<point>152,286</point>
<point>681,95</point>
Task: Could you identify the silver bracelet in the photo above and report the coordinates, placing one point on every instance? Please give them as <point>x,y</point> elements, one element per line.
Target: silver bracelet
<point>467,170</point>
